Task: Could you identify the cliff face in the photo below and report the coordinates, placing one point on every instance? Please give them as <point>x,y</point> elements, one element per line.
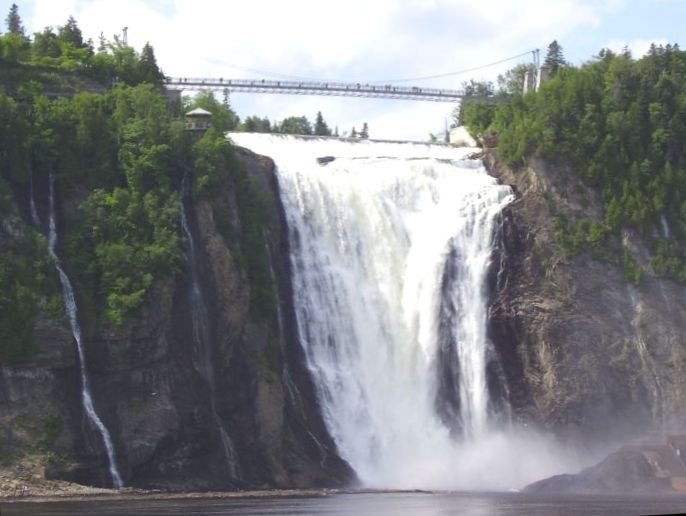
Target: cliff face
<point>587,353</point>
<point>250,420</point>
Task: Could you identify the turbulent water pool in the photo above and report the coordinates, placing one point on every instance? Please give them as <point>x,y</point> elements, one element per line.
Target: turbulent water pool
<point>358,504</point>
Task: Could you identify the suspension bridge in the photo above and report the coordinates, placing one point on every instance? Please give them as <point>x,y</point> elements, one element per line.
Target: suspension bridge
<point>340,89</point>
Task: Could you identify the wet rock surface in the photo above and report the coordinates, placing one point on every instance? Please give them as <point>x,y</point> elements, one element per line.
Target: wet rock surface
<point>154,400</point>
<point>587,354</point>
<point>648,468</point>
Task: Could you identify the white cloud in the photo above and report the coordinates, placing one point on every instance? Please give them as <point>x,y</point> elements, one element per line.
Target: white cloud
<point>356,40</point>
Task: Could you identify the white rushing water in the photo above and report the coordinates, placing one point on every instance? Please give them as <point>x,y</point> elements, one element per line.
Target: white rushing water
<point>373,234</point>
<point>70,307</point>
<point>32,202</point>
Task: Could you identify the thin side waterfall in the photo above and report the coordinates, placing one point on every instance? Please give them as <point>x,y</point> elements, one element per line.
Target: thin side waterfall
<point>202,356</point>
<point>71,308</point>
<point>32,202</point>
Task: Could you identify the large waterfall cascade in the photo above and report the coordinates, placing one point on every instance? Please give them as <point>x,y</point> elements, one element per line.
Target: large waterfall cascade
<point>72,313</point>
<point>391,245</point>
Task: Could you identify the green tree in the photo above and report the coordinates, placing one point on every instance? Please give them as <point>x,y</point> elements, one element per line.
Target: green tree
<point>364,133</point>
<point>70,34</point>
<point>45,44</point>
<point>554,58</point>
<point>102,44</point>
<point>255,124</point>
<point>14,23</point>
<point>295,125</point>
<point>512,81</point>
<point>474,88</point>
<point>15,46</point>
<point>148,71</point>
<point>320,127</point>
<point>223,117</point>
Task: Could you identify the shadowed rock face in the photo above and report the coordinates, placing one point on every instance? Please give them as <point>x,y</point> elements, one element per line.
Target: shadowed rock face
<point>625,471</point>
<point>153,399</point>
<point>586,354</point>
<point>649,468</point>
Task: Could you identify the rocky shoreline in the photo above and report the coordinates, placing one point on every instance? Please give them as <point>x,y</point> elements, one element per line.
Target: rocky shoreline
<point>76,493</point>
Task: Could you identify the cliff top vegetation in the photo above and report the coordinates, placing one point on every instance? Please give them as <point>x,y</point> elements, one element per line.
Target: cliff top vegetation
<point>620,123</point>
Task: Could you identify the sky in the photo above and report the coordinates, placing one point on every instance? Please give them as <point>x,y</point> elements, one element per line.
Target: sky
<point>362,41</point>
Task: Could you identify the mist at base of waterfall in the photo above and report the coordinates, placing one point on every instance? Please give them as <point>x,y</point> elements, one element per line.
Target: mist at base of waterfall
<point>391,247</point>
<point>499,460</point>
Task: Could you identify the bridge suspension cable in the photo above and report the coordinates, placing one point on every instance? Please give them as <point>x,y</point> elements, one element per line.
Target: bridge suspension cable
<point>459,72</point>
<point>534,52</point>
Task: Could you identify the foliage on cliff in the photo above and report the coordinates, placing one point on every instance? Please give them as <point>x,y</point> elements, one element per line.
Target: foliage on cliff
<point>27,284</point>
<point>118,160</point>
<point>115,157</point>
<point>64,48</point>
<point>118,157</point>
<point>621,124</point>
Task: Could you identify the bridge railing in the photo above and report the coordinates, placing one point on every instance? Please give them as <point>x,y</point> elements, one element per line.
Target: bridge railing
<point>312,86</point>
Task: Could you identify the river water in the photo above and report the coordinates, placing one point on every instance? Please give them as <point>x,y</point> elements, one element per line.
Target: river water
<point>382,504</point>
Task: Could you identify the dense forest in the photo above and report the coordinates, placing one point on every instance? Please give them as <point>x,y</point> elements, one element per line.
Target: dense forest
<point>117,158</point>
<point>98,120</point>
<point>618,122</point>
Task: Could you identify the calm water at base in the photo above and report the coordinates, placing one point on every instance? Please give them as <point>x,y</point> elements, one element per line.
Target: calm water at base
<point>359,504</point>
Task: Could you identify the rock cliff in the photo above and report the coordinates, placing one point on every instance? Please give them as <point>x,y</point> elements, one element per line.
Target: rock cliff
<point>262,427</point>
<point>588,354</point>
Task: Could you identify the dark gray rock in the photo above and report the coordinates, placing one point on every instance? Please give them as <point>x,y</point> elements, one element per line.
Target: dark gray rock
<point>155,402</point>
<point>586,353</point>
<point>625,471</point>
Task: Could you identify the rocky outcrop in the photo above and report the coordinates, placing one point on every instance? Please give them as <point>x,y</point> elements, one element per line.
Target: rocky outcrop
<point>641,468</point>
<point>587,353</point>
<point>261,429</point>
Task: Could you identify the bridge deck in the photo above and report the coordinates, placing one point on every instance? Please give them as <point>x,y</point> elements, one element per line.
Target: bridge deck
<point>316,88</point>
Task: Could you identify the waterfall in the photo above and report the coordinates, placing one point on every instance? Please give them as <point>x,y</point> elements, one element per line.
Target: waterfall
<point>70,306</point>
<point>202,356</point>
<point>390,248</point>
<point>32,203</point>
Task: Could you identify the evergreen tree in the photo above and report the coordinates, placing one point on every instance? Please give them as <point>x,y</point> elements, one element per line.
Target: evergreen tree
<point>71,34</point>
<point>353,133</point>
<point>335,132</point>
<point>365,131</point>
<point>46,44</point>
<point>14,25</point>
<point>102,44</point>
<point>554,59</point>
<point>147,67</point>
<point>320,127</point>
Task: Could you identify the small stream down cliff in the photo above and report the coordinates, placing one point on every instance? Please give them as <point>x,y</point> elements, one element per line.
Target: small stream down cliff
<point>70,307</point>
<point>202,346</point>
<point>391,246</point>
